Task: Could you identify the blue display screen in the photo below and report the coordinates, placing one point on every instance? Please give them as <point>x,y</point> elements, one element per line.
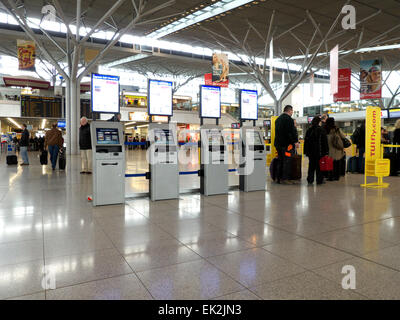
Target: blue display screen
<point>107,136</point>
<point>61,124</point>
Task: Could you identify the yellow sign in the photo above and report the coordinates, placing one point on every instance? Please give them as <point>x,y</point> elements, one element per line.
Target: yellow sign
<point>375,166</point>
<point>273,153</point>
<point>90,54</point>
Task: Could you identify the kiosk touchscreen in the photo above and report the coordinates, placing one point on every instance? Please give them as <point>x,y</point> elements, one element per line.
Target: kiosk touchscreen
<point>108,154</point>
<point>252,160</point>
<point>163,162</point>
<point>214,161</point>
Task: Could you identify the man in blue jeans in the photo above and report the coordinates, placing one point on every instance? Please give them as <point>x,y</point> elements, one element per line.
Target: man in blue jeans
<point>54,142</point>
<point>23,146</point>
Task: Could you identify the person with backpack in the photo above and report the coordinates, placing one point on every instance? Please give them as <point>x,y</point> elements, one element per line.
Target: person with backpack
<point>336,147</point>
<point>286,142</point>
<point>358,138</point>
<point>315,147</point>
<point>53,141</point>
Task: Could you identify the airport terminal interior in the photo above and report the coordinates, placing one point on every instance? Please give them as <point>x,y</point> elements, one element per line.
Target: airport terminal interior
<point>163,150</point>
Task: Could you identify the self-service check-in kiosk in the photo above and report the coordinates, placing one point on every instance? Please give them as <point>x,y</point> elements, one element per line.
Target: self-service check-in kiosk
<point>108,163</point>
<point>214,161</point>
<point>252,175</point>
<point>252,171</point>
<point>163,162</point>
<point>213,147</point>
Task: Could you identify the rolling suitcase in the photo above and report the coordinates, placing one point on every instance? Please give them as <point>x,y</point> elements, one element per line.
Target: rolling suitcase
<point>43,157</point>
<point>61,160</point>
<point>343,166</point>
<point>12,159</point>
<point>273,169</point>
<point>296,167</point>
<point>352,165</point>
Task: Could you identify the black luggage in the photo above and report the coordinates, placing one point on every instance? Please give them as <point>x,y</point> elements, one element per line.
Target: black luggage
<point>12,159</point>
<point>343,166</point>
<point>43,157</point>
<point>393,163</point>
<point>273,169</point>
<point>352,165</point>
<point>296,167</point>
<point>61,160</point>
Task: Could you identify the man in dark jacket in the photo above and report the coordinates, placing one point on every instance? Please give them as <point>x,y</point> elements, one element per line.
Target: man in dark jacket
<point>315,147</point>
<point>23,144</point>
<point>358,138</point>
<point>286,140</point>
<point>85,144</point>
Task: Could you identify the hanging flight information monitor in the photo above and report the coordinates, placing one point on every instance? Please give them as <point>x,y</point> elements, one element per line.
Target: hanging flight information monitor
<point>159,98</point>
<point>210,102</point>
<point>105,93</point>
<point>248,105</point>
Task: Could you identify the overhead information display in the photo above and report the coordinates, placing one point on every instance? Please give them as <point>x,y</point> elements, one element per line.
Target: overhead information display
<point>105,93</point>
<point>160,98</point>
<point>34,106</point>
<point>248,105</point>
<point>210,103</point>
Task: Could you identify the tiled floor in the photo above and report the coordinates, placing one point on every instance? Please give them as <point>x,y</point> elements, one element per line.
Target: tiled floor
<point>290,242</point>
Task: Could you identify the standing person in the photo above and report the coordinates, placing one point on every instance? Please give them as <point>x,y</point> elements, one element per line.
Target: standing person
<point>115,118</point>
<point>286,140</point>
<point>24,143</point>
<point>336,147</point>
<point>85,144</point>
<point>396,141</point>
<point>324,117</point>
<point>315,147</point>
<point>358,138</point>
<point>54,142</point>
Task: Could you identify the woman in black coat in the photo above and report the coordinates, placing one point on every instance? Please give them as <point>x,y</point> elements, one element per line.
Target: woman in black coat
<point>315,147</point>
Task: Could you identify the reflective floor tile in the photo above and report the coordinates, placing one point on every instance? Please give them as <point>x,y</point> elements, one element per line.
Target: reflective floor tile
<point>68,226</point>
<point>20,228</point>
<point>254,266</point>
<point>21,251</point>
<point>21,279</point>
<point>192,227</point>
<point>232,222</point>
<point>304,227</point>
<point>371,280</point>
<point>35,296</point>
<point>389,257</point>
<point>75,269</point>
<point>241,295</point>
<point>262,234</point>
<point>125,221</point>
<point>122,237</point>
<point>307,253</point>
<point>215,243</point>
<point>191,280</point>
<point>387,229</point>
<point>77,244</point>
<point>304,286</point>
<point>156,254</point>
<point>126,287</point>
<point>351,242</point>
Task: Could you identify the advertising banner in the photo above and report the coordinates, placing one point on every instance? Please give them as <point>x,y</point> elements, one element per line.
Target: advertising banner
<point>208,81</point>
<point>370,79</point>
<point>373,134</point>
<point>26,55</point>
<point>220,67</point>
<point>334,59</point>
<point>344,87</point>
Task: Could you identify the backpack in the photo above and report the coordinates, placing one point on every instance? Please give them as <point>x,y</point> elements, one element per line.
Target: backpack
<point>337,141</point>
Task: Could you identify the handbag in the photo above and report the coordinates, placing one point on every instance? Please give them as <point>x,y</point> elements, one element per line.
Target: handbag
<point>346,143</point>
<point>326,164</point>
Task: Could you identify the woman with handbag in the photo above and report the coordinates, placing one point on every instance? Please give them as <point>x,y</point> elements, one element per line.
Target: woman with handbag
<point>315,148</point>
<point>336,143</point>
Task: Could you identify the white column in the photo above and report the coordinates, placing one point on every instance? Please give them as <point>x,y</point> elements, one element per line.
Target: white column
<point>73,117</point>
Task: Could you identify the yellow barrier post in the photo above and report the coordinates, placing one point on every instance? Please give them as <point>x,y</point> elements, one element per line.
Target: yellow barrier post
<point>273,153</point>
<point>375,165</point>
